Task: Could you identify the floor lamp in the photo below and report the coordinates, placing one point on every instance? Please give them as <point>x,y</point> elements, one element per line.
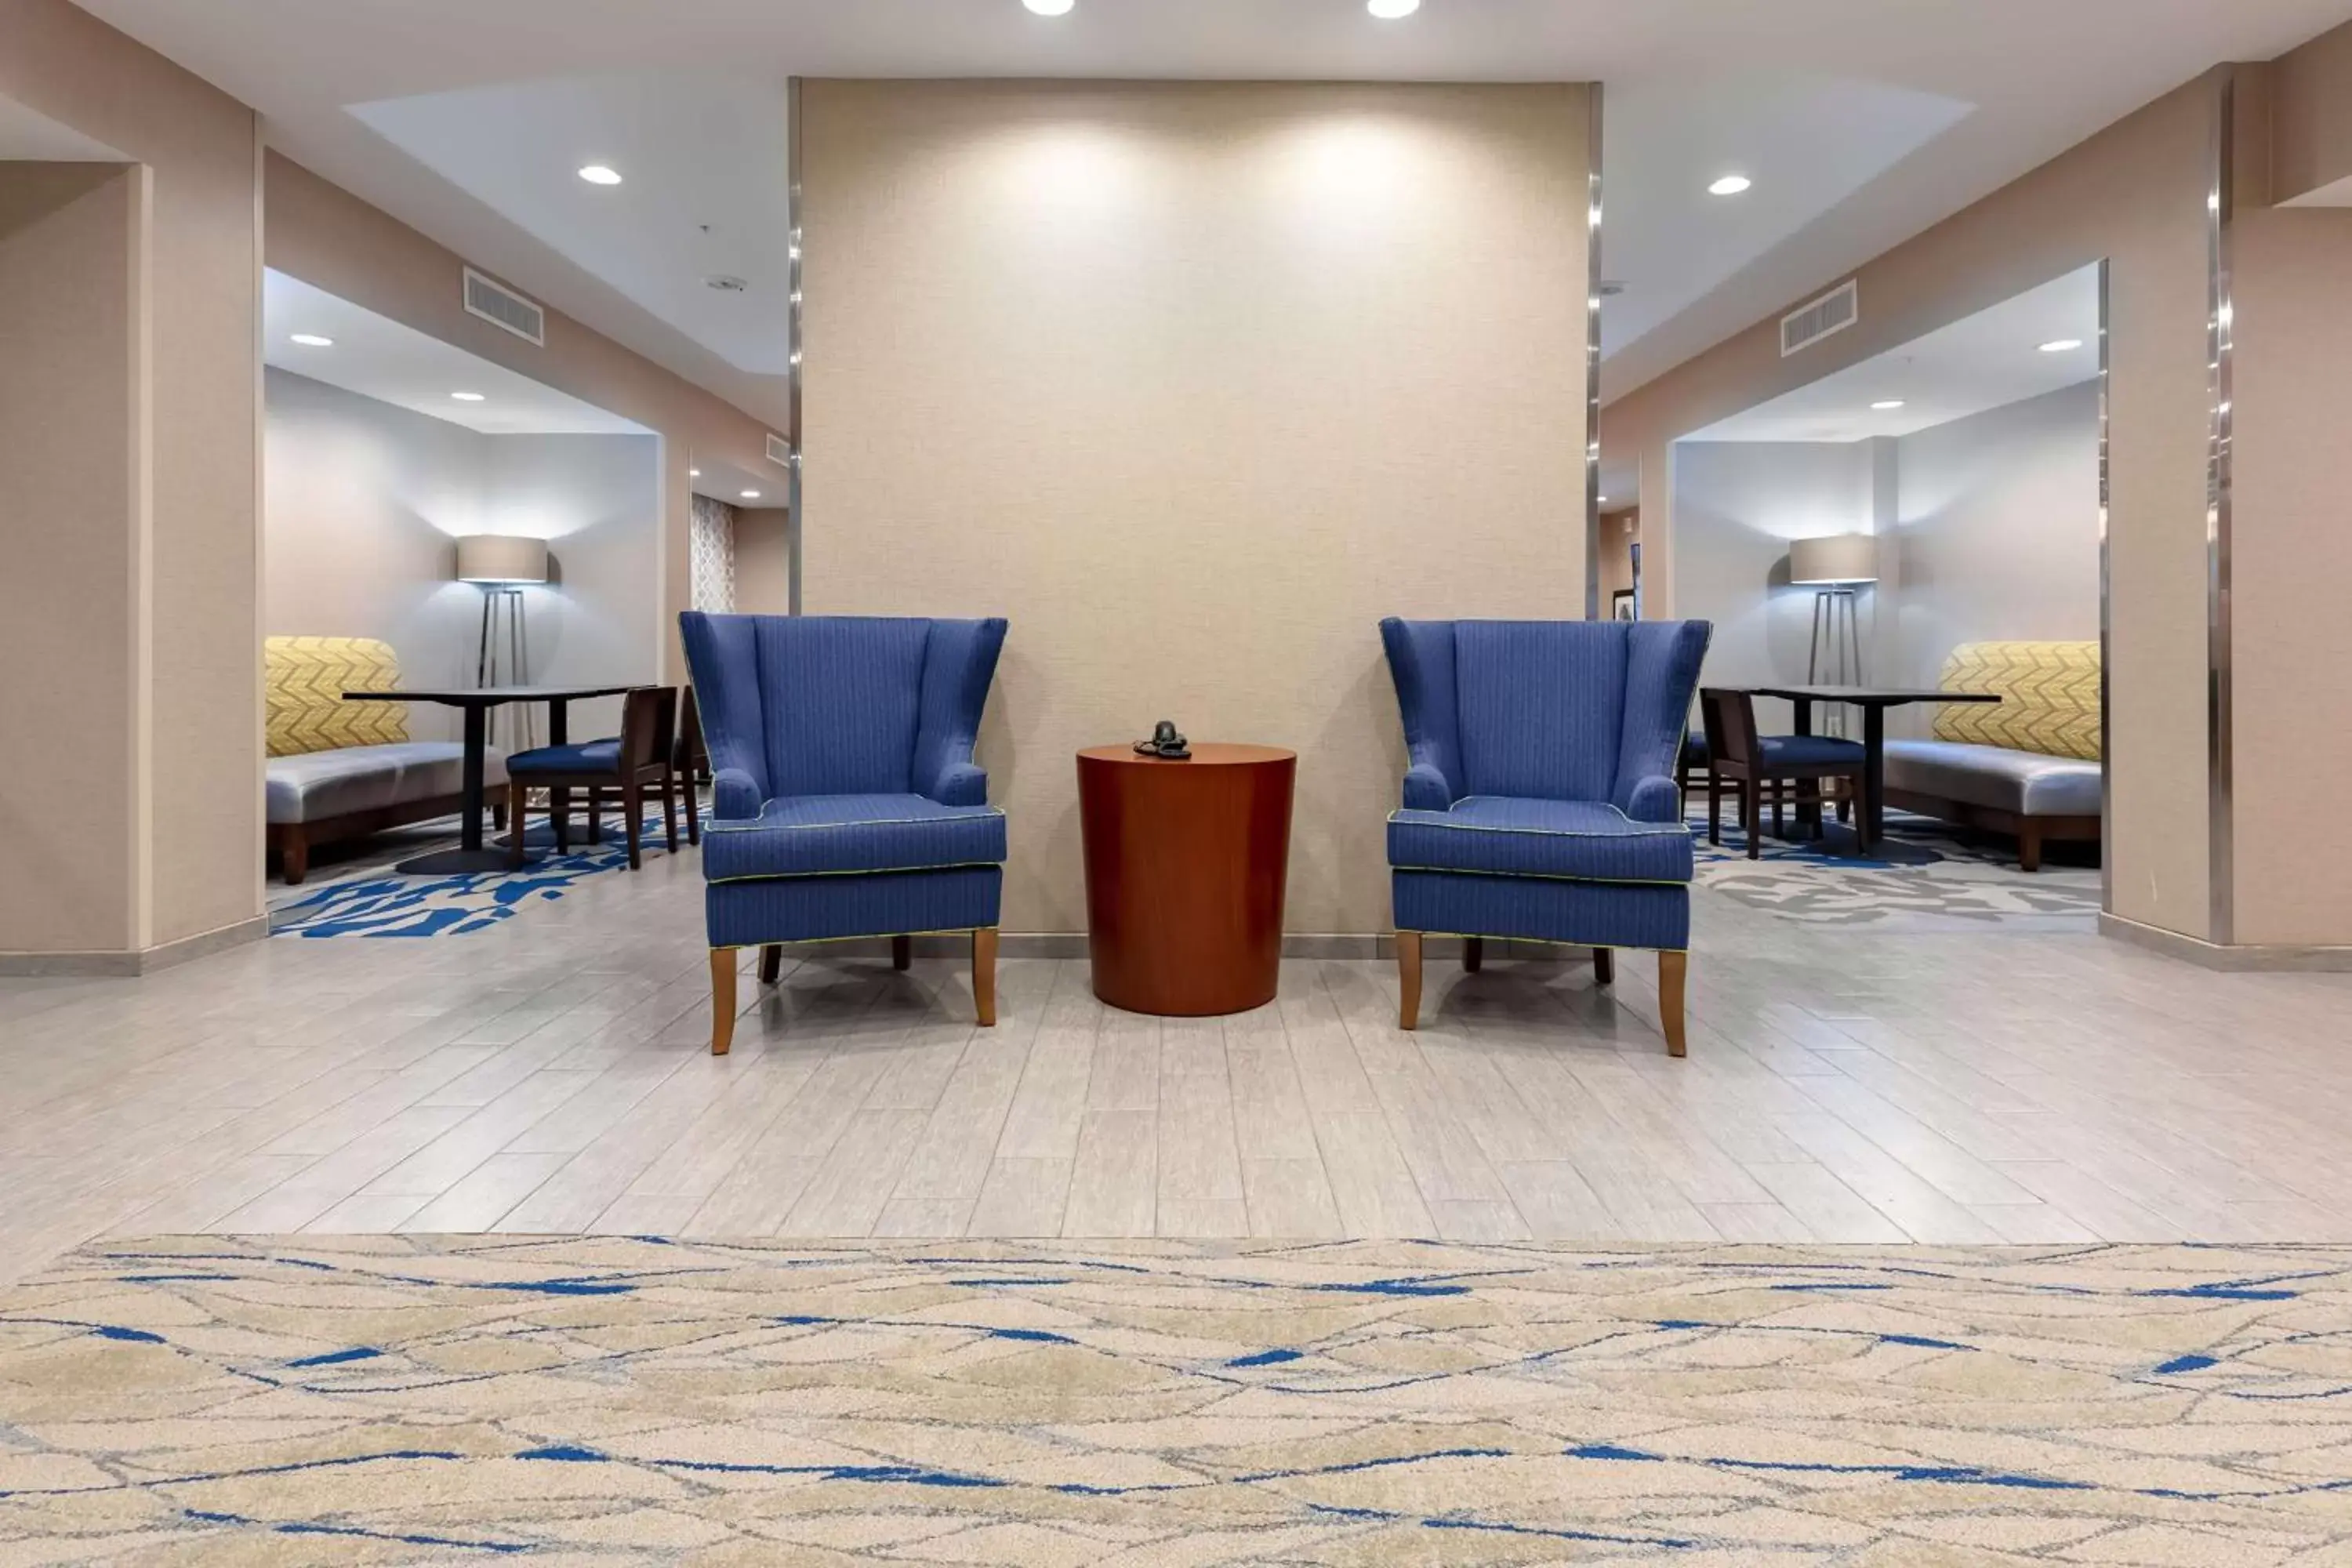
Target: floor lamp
<point>1837,568</point>
<point>501,565</point>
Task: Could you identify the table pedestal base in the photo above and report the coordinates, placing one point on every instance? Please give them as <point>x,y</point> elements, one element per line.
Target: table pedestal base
<point>453,863</point>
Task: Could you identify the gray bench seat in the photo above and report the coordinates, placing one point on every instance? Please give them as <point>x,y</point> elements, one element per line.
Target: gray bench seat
<point>317,785</point>
<point>2024,783</point>
<point>1998,788</point>
<point>320,795</point>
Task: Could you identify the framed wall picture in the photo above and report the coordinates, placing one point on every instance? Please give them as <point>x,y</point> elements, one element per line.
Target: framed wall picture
<point>1621,604</point>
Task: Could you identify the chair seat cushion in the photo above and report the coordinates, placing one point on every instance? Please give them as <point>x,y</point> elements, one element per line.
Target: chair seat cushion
<point>587,757</point>
<point>2026,783</point>
<point>315,785</point>
<point>1810,751</point>
<point>819,834</point>
<point>1582,840</point>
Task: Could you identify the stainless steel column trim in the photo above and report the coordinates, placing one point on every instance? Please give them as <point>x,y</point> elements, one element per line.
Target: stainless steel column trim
<point>793,519</point>
<point>1592,363</point>
<point>2220,215</point>
<point>2107,625</point>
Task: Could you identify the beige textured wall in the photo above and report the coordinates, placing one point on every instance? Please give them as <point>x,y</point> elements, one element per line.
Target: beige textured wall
<point>2135,195</point>
<point>763,560</point>
<point>2292,560</point>
<point>199,314</point>
<point>2311,115</point>
<point>329,237</point>
<point>1195,382</point>
<point>69,635</point>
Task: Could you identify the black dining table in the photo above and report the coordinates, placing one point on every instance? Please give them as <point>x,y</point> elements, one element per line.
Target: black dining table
<point>476,702</point>
<point>1870,811</point>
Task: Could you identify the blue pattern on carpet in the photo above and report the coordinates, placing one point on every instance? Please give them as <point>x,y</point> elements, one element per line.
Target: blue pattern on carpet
<point>388,904</point>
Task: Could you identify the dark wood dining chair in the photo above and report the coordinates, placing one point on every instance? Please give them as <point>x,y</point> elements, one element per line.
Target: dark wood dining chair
<point>691,762</point>
<point>631,764</point>
<point>1751,763</point>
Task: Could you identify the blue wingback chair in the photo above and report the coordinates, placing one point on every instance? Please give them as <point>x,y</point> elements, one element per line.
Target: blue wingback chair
<point>1541,803</point>
<point>845,799</point>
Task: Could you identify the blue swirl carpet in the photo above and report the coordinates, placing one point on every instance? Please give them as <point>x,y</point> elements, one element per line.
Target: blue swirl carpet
<point>409,1399</point>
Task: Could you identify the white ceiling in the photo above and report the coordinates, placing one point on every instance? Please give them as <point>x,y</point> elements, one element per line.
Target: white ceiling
<point>1977,362</point>
<point>703,157</point>
<point>724,481</point>
<point>380,358</point>
<point>1862,121</point>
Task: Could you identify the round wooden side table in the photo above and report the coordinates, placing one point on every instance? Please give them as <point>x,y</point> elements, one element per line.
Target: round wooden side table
<point>1186,863</point>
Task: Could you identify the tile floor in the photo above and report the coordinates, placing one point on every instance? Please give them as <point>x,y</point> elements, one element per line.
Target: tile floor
<point>551,1076</point>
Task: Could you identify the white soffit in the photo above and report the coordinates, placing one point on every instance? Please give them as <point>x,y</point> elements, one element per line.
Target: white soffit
<point>1980,361</point>
<point>1811,142</point>
<point>377,357</point>
<point>702,158</point>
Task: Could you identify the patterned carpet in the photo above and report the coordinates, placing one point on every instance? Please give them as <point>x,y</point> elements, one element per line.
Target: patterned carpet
<point>1971,880</point>
<point>396,1400</point>
<point>365,896</point>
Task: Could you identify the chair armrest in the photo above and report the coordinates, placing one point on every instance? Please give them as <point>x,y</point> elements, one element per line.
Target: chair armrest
<point>733,796</point>
<point>1425,789</point>
<point>960,784</point>
<point>1656,799</point>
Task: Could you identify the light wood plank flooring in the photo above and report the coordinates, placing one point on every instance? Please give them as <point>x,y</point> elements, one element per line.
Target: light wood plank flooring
<point>551,1076</point>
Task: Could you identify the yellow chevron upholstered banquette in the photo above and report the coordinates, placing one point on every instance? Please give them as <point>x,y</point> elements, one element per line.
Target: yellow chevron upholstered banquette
<point>307,679</point>
<point>2049,697</point>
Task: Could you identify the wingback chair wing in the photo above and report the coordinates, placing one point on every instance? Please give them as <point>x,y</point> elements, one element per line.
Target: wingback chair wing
<point>845,801</point>
<point>1541,803</point>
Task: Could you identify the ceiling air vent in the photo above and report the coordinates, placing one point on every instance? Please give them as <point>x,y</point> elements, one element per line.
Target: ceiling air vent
<point>502,307</point>
<point>779,451</point>
<point>1833,312</point>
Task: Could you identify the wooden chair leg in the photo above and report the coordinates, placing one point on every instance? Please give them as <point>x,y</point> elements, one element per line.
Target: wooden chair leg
<point>518,798</point>
<point>2029,845</point>
<point>498,817</point>
<point>294,852</point>
<point>1780,801</point>
<point>1674,968</point>
<point>693,809</point>
<point>1751,804</point>
<point>722,1000</point>
<point>559,812</point>
<point>1714,806</point>
<point>1408,945</point>
<point>669,811</point>
<point>983,975</point>
<point>633,807</point>
<point>1474,954</point>
<point>902,952</point>
<point>772,963</point>
<point>1604,966</point>
<point>595,817</point>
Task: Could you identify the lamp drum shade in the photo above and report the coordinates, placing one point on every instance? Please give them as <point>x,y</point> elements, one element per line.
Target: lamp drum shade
<point>501,558</point>
<point>1838,558</point>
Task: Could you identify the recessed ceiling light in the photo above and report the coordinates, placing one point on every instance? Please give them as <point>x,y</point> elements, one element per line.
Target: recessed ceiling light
<point>1884,403</point>
<point>750,495</point>
<point>2061,346</point>
<point>1050,7</point>
<point>1390,10</point>
<point>1602,500</point>
<point>1730,185</point>
<point>467,397</point>
<point>600,175</point>
<point>694,473</point>
<point>312,341</point>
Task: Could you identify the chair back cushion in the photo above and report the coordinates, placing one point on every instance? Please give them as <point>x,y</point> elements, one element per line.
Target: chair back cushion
<point>1542,707</point>
<point>306,680</point>
<point>842,696</point>
<point>2049,697</point>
